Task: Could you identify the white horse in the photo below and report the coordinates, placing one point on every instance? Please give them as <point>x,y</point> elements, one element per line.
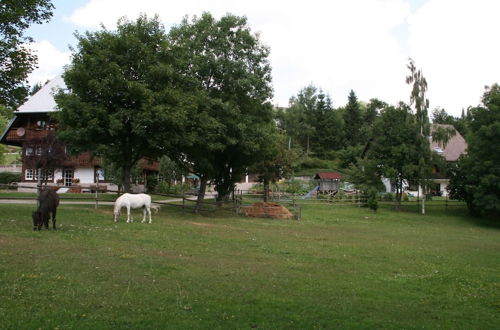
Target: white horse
<point>133,201</point>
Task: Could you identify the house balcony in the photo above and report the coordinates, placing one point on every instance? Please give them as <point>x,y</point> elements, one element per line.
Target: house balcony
<point>21,134</point>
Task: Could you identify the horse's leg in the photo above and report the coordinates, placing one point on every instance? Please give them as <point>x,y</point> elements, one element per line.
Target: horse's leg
<point>54,219</point>
<point>143,214</point>
<point>46,221</point>
<point>149,211</point>
<point>128,214</point>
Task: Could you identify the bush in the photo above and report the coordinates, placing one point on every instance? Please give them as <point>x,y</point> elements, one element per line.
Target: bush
<point>151,183</point>
<point>257,188</point>
<point>296,186</point>
<point>7,177</point>
<point>405,197</point>
<point>372,200</point>
<point>175,189</point>
<point>388,197</point>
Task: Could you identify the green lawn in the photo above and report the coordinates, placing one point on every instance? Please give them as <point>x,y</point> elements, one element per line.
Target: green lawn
<point>340,267</point>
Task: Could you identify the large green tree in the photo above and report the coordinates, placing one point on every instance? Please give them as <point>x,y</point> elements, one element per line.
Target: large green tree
<point>393,147</point>
<point>277,161</point>
<point>352,119</point>
<point>312,123</point>
<point>122,102</point>
<point>227,69</point>
<point>299,121</point>
<point>16,59</point>
<point>476,177</point>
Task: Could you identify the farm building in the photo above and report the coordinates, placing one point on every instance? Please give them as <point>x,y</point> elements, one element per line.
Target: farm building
<point>328,182</point>
<point>455,147</point>
<point>33,129</point>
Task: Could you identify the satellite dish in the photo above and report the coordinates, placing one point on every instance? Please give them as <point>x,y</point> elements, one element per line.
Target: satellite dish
<point>21,131</point>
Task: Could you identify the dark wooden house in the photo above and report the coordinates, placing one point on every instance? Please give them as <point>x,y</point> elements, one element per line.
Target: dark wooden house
<point>328,182</point>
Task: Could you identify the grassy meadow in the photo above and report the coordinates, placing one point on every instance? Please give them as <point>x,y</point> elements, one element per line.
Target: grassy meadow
<point>339,267</point>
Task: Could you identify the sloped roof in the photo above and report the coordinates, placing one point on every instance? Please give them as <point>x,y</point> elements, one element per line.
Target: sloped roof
<point>454,148</point>
<point>328,175</point>
<point>43,100</point>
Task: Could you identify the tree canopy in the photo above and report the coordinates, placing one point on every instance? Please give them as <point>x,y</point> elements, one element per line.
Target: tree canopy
<point>122,100</point>
<point>476,177</point>
<point>394,146</point>
<point>227,69</point>
<point>352,119</point>
<point>16,59</point>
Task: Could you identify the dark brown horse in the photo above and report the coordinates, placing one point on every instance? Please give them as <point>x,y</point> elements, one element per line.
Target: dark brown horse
<point>47,203</point>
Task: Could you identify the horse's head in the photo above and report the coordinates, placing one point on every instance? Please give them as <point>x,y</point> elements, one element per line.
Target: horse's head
<point>116,215</point>
<point>37,220</point>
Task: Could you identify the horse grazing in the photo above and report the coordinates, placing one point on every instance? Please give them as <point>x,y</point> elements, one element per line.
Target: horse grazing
<point>133,201</point>
<point>48,201</point>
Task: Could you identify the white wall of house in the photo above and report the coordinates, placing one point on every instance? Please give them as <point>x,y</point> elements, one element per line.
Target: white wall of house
<point>443,184</point>
<point>57,174</point>
<point>85,174</point>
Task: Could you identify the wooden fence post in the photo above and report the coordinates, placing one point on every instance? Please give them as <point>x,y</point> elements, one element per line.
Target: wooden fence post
<point>97,192</point>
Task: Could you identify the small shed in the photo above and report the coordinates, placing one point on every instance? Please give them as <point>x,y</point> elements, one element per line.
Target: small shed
<point>328,181</point>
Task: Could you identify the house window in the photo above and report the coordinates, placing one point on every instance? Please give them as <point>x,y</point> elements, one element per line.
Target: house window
<point>68,176</point>
<point>29,151</point>
<point>48,176</point>
<point>28,174</point>
<point>99,174</point>
<point>38,151</point>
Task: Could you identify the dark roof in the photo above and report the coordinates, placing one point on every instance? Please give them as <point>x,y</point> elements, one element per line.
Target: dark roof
<point>328,175</point>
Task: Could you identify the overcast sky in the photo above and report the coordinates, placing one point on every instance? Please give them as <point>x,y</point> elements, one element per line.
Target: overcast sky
<point>337,45</point>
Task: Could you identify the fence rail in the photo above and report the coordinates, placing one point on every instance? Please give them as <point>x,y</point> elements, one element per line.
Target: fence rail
<point>239,200</point>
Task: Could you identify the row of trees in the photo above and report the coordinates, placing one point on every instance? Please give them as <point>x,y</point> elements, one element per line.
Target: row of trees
<point>315,126</point>
<point>199,94</point>
<point>199,97</point>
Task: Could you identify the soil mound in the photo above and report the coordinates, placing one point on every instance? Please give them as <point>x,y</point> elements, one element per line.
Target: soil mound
<point>267,210</point>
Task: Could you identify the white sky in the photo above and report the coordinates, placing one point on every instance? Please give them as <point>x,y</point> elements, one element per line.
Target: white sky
<point>337,45</point>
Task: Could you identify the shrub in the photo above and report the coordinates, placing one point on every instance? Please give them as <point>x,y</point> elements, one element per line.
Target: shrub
<point>388,197</point>
<point>7,177</point>
<point>293,187</point>
<point>257,188</point>
<point>175,189</point>
<point>372,200</point>
<point>151,182</point>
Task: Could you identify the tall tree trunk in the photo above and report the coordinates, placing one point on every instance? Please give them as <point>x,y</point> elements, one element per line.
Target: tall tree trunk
<point>201,193</point>
<point>266,190</point>
<point>398,199</point>
<point>126,178</point>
